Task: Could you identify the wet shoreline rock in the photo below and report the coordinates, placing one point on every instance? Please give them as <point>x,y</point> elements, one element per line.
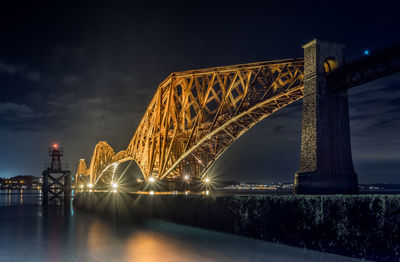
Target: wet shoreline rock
<point>353,225</point>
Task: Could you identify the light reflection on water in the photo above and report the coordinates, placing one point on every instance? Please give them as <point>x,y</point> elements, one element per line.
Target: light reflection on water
<point>10,197</point>
<point>29,232</point>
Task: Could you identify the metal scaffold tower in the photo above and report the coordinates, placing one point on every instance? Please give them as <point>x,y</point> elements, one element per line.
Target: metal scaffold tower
<point>56,181</point>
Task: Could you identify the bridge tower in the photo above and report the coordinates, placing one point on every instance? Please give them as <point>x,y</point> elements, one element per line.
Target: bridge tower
<point>326,163</point>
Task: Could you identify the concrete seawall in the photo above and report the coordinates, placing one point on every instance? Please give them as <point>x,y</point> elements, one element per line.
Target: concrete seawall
<point>354,225</point>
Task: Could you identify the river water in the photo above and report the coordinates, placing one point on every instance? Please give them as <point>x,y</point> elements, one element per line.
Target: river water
<point>30,232</point>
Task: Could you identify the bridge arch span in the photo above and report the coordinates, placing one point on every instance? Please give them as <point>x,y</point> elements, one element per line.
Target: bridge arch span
<point>195,115</point>
<point>104,158</point>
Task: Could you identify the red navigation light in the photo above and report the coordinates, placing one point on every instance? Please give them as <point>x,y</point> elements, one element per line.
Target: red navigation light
<point>55,145</point>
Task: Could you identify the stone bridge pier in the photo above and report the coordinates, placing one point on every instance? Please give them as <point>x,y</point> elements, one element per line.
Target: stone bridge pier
<point>326,164</point>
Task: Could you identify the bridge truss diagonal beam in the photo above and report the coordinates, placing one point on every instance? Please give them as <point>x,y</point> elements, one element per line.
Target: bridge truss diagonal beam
<point>195,115</point>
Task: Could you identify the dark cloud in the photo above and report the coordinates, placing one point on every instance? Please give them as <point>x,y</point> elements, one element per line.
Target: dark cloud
<point>375,128</point>
<point>16,111</point>
<point>70,79</point>
<point>34,76</point>
<point>17,70</point>
<point>8,68</point>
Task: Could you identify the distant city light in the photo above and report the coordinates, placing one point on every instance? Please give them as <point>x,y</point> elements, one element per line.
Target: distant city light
<point>151,179</point>
<point>151,192</point>
<point>90,185</point>
<point>186,192</point>
<point>81,186</point>
<point>207,180</point>
<point>114,185</point>
<point>186,177</point>
<point>366,52</point>
<point>207,192</point>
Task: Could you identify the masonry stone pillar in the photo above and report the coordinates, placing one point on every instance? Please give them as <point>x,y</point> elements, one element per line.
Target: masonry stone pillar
<point>326,164</point>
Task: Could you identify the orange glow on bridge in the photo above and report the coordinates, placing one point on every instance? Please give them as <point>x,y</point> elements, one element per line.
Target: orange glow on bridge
<point>196,115</point>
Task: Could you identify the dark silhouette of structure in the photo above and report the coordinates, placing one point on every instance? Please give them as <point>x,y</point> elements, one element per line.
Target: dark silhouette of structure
<point>325,142</point>
<point>56,181</point>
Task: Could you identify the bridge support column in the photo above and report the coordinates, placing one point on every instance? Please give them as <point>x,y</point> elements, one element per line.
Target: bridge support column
<point>326,164</point>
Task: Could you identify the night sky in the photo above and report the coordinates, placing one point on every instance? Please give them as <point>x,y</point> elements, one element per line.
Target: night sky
<point>78,73</point>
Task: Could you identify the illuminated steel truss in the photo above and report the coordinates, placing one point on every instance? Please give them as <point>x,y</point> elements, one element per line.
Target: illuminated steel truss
<point>81,172</point>
<point>195,115</point>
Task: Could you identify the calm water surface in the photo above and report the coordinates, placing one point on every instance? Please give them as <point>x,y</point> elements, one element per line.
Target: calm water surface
<point>29,232</point>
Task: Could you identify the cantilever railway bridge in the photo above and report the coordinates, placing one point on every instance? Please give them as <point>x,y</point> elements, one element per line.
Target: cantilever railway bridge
<point>195,115</point>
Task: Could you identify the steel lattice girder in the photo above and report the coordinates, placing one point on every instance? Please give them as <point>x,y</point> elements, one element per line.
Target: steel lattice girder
<point>81,172</point>
<point>195,115</point>
<point>366,69</point>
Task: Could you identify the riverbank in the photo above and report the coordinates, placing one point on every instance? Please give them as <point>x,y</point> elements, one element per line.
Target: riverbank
<point>352,225</point>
